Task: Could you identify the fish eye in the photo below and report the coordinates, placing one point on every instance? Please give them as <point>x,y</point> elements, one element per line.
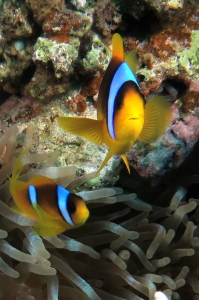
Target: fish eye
<point>71,207</point>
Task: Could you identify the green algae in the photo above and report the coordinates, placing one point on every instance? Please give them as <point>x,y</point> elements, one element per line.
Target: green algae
<point>189,58</point>
<point>98,55</point>
<point>61,55</point>
<point>145,72</point>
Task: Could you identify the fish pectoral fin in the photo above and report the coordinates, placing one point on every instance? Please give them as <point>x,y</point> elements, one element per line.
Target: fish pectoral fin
<point>131,60</point>
<point>108,156</point>
<point>126,162</point>
<point>48,225</point>
<point>156,120</point>
<point>41,213</point>
<point>84,127</point>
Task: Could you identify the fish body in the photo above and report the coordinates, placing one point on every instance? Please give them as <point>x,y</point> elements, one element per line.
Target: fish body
<point>122,114</point>
<point>53,208</point>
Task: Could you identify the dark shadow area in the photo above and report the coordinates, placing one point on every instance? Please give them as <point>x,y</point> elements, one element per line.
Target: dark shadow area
<point>27,75</point>
<point>4,96</point>
<point>178,85</point>
<point>160,190</point>
<point>141,28</point>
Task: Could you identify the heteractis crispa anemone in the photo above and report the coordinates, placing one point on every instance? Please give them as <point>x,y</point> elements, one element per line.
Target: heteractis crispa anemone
<point>128,249</point>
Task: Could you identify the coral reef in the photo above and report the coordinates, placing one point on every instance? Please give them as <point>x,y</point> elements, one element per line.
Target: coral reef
<point>53,56</point>
<point>61,55</point>
<point>44,86</point>
<point>106,17</point>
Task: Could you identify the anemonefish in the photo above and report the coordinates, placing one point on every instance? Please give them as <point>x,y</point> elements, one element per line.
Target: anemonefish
<point>54,208</point>
<point>122,116</point>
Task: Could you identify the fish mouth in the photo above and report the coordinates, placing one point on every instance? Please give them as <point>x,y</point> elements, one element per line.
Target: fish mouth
<point>133,118</point>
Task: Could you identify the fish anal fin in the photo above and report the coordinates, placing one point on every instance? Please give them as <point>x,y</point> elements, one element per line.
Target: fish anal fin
<point>126,162</point>
<point>83,127</point>
<point>108,156</point>
<point>156,120</point>
<point>117,47</point>
<point>15,208</point>
<point>131,60</point>
<point>28,213</point>
<point>48,225</point>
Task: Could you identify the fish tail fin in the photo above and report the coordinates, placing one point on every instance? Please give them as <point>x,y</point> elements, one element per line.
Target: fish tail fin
<point>156,120</point>
<point>84,127</point>
<point>117,47</point>
<point>108,156</point>
<point>126,162</point>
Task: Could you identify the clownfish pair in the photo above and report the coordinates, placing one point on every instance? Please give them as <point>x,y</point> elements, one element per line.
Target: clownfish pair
<point>54,209</point>
<point>122,116</point>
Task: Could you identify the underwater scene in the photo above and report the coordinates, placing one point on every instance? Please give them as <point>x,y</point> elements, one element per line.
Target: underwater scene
<point>99,150</point>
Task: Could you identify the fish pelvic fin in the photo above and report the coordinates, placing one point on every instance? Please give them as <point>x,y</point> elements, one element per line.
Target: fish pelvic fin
<point>83,127</point>
<point>108,156</point>
<point>117,47</point>
<point>156,120</point>
<point>126,162</point>
<point>131,60</point>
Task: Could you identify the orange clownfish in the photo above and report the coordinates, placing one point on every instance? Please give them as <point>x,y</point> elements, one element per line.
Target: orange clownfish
<point>122,116</point>
<point>54,209</point>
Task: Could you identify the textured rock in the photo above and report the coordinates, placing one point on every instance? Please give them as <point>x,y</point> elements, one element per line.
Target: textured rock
<point>61,55</point>
<point>52,52</point>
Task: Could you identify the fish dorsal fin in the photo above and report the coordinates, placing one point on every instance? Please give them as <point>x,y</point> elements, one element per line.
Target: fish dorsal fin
<point>131,60</point>
<point>18,166</point>
<point>40,180</point>
<point>117,47</point>
<point>157,118</point>
<point>84,127</point>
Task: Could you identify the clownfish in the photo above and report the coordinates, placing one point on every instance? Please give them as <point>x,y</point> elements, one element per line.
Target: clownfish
<point>122,115</point>
<point>54,208</point>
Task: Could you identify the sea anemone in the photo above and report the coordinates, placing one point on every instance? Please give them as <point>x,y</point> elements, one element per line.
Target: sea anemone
<point>128,249</point>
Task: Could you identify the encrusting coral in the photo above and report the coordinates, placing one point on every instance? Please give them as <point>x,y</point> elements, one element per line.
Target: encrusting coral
<point>148,249</point>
